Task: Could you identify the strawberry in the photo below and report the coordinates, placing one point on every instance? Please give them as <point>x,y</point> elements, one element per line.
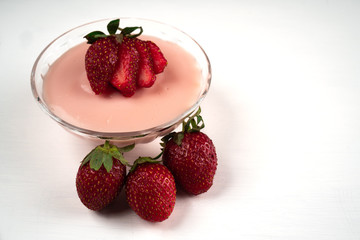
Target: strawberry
<point>191,156</point>
<point>101,176</point>
<point>159,60</point>
<point>150,191</point>
<point>146,76</point>
<point>126,71</point>
<point>100,60</point>
<point>121,60</point>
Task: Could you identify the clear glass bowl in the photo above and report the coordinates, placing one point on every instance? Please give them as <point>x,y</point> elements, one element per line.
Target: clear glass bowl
<point>75,36</point>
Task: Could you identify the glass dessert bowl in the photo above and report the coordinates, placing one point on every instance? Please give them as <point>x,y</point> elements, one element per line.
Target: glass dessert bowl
<point>150,113</point>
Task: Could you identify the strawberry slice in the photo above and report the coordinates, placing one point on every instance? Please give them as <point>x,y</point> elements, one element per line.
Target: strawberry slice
<point>159,60</point>
<point>146,77</point>
<point>126,71</point>
<point>100,61</point>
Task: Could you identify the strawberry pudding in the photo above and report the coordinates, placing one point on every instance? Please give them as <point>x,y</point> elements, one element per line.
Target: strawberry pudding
<point>60,84</point>
<point>67,92</point>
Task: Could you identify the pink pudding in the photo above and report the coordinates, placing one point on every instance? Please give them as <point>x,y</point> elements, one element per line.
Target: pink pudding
<point>68,94</point>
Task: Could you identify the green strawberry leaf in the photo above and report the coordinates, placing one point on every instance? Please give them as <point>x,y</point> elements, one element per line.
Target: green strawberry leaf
<point>113,26</point>
<point>93,36</point>
<point>128,30</point>
<point>88,157</point>
<point>126,148</point>
<point>108,162</point>
<point>96,160</point>
<point>117,155</point>
<point>178,137</point>
<point>167,138</point>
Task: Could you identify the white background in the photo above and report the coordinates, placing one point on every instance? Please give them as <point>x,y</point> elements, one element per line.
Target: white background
<point>283,111</point>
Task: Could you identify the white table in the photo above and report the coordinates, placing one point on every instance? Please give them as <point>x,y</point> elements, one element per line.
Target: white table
<point>283,111</point>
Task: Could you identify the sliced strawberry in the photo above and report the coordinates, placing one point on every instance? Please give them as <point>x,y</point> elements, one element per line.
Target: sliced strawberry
<point>100,62</point>
<point>146,77</point>
<point>121,60</point>
<point>126,71</point>
<point>159,60</point>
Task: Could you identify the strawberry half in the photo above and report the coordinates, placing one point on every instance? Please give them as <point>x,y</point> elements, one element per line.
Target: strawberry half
<point>126,71</point>
<point>100,61</point>
<point>158,58</point>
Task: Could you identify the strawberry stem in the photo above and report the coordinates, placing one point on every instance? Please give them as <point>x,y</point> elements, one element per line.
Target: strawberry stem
<point>106,144</point>
<point>193,123</point>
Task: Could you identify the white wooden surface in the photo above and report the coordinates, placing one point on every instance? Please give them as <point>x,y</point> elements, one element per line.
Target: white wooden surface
<point>283,111</point>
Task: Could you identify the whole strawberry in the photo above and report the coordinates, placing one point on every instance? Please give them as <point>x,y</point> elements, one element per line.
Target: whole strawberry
<point>101,176</point>
<point>191,156</point>
<point>150,191</point>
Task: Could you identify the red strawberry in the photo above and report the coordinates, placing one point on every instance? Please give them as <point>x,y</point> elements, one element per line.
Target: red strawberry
<point>159,60</point>
<point>101,176</point>
<point>100,60</point>
<point>126,71</point>
<point>191,156</point>
<point>146,76</point>
<point>151,192</point>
